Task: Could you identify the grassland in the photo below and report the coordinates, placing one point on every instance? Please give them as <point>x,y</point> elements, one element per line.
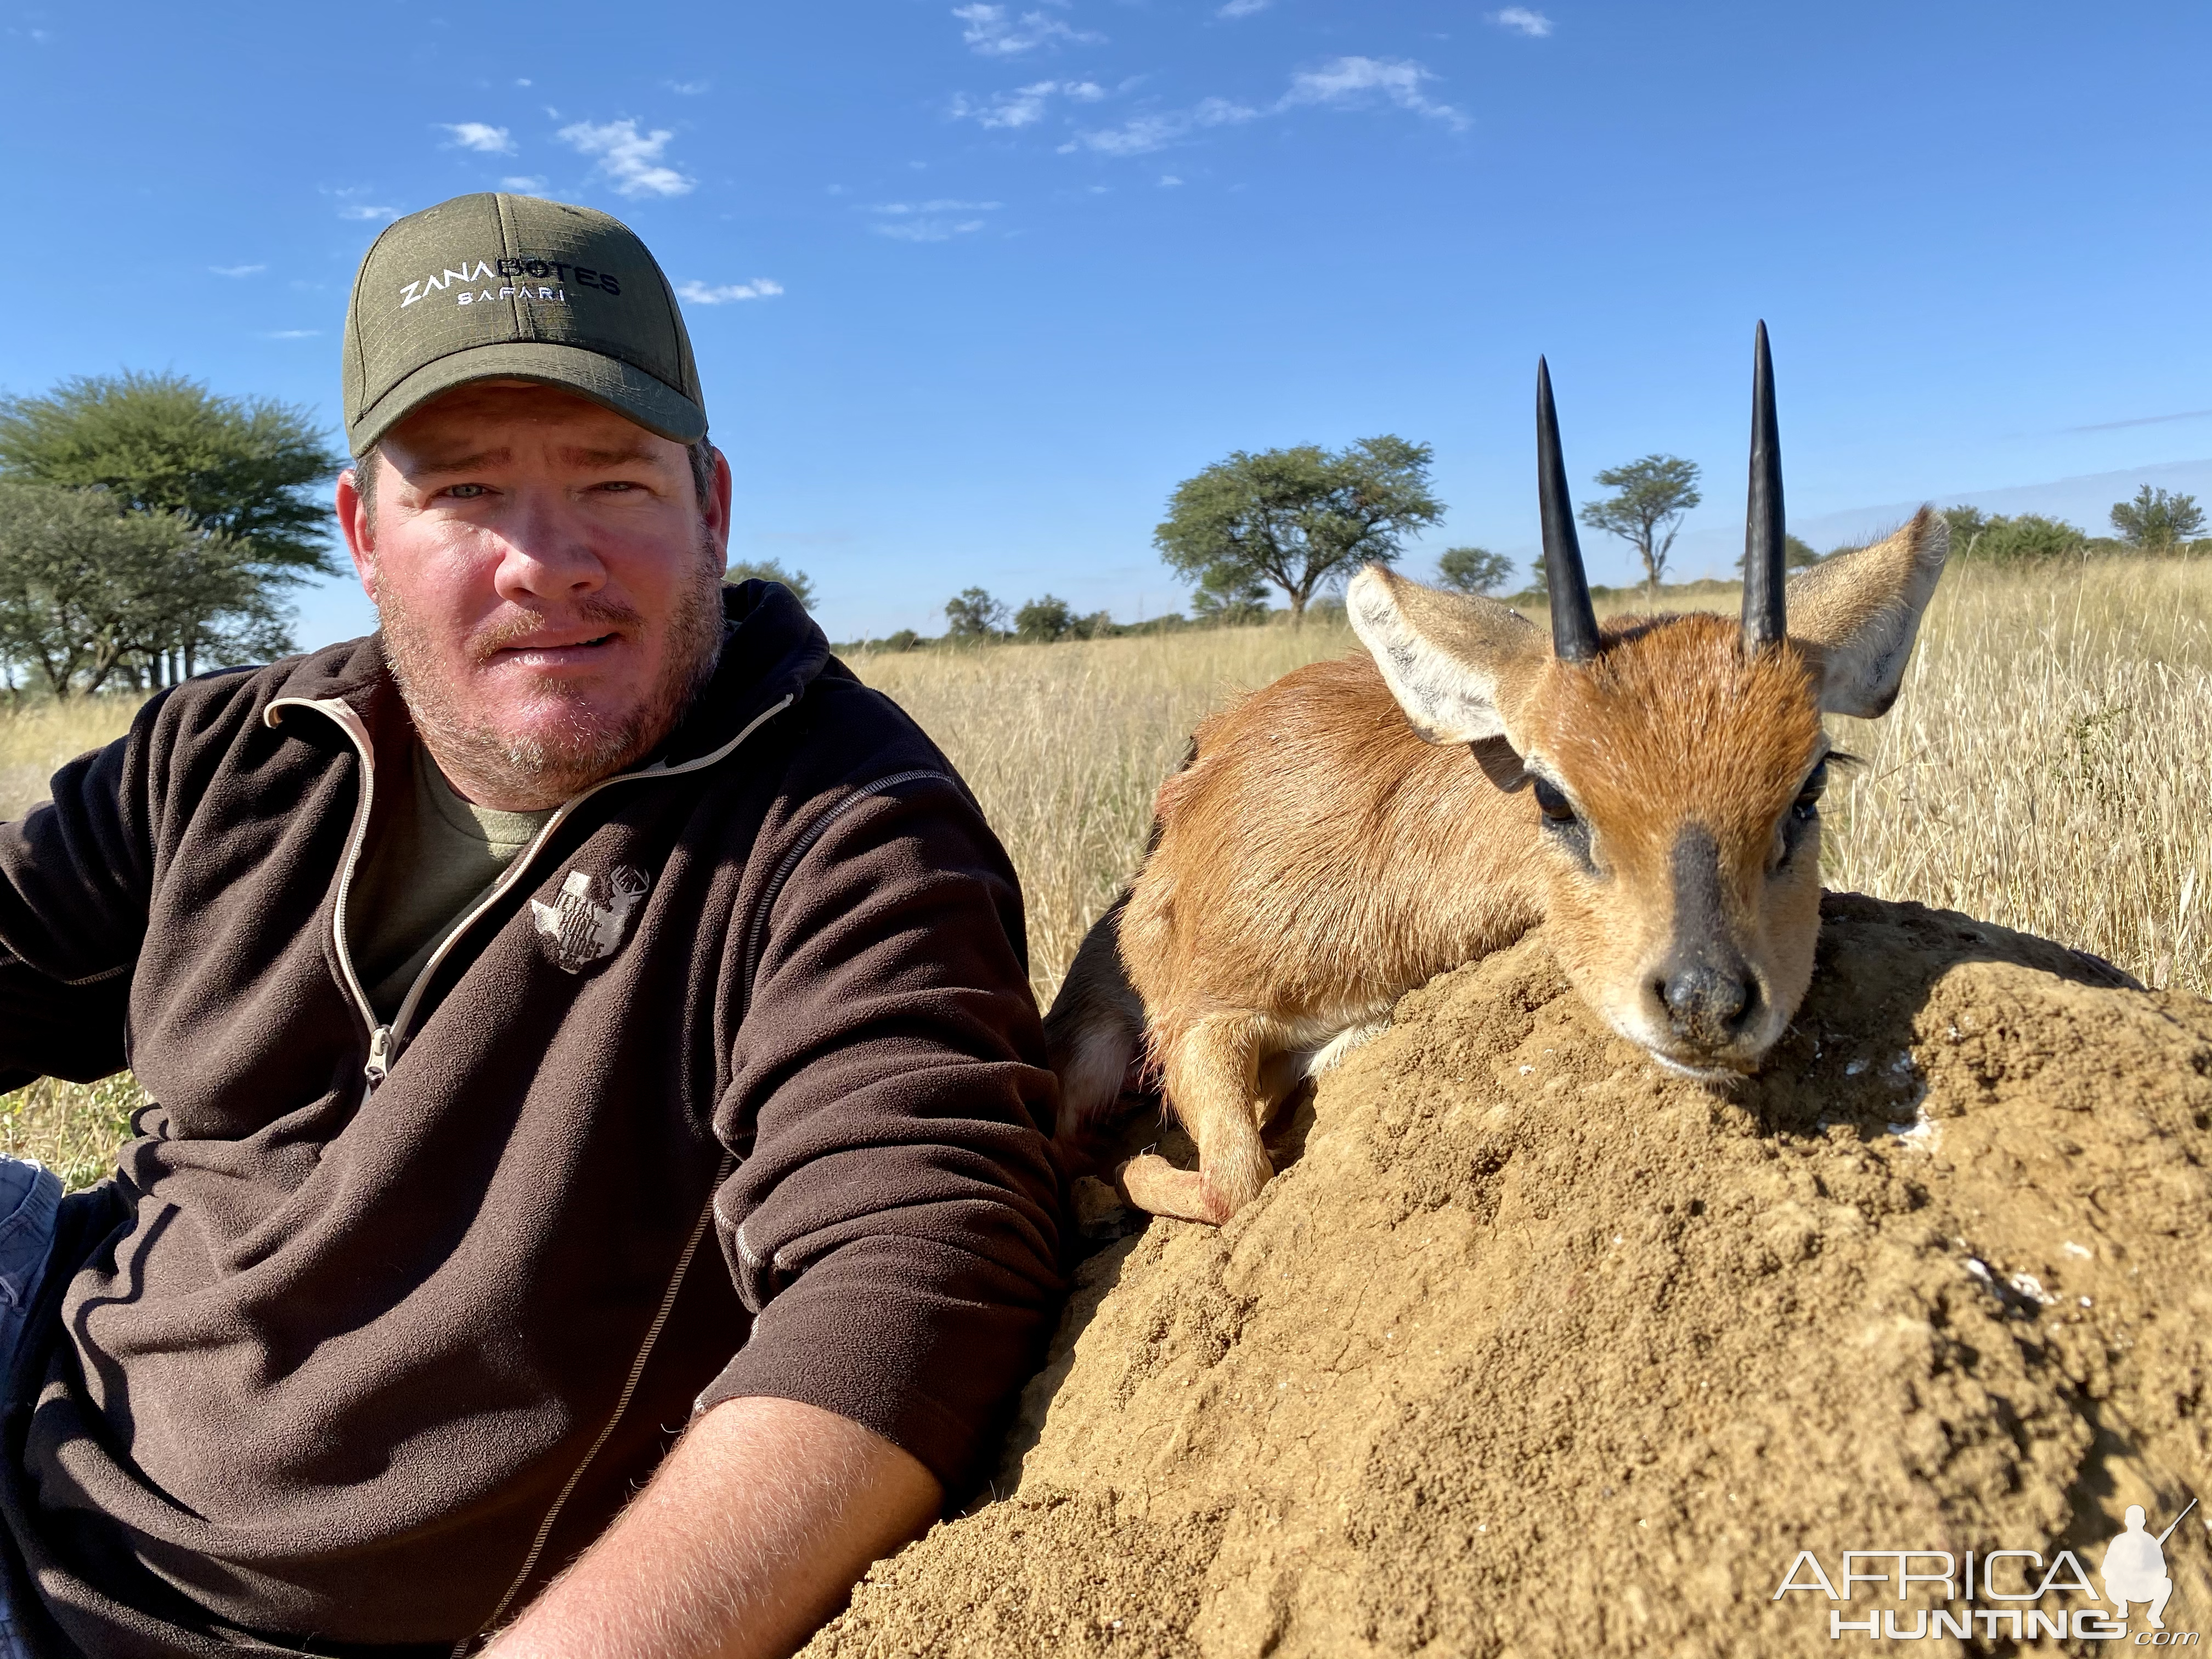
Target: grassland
<point>2048,766</point>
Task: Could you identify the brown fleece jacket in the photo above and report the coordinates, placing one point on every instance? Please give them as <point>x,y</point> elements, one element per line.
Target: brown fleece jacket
<point>324,1383</point>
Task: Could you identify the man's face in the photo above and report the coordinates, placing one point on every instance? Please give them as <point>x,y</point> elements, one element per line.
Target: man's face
<point>548,582</point>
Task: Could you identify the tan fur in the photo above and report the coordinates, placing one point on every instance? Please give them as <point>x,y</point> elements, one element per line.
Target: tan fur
<point>1333,844</point>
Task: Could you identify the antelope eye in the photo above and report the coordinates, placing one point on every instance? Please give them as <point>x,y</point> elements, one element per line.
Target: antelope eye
<point>1552,804</point>
<point>1806,806</point>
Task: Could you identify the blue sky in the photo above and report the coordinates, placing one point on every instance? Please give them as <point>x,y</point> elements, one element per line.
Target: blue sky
<point>977,284</point>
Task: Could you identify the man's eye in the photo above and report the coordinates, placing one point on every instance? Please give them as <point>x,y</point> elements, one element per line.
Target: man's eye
<point>463,492</point>
<point>1553,803</point>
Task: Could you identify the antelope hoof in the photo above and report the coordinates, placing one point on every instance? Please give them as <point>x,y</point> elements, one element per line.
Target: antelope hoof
<point>1157,1187</point>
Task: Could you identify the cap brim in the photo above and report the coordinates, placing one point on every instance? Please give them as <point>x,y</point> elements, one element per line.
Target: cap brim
<point>629,391</point>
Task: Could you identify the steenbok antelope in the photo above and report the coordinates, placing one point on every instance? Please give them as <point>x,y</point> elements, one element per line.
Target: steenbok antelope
<point>1649,789</point>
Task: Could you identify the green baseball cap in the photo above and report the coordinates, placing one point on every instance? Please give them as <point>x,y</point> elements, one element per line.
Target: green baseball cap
<point>496,287</point>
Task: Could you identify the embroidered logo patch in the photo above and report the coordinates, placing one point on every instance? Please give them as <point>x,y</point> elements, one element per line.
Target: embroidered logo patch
<point>579,928</point>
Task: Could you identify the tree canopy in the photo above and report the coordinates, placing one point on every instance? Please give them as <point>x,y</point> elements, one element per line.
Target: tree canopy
<point>1797,554</point>
<point>973,614</point>
<point>1298,519</point>
<point>2156,520</point>
<point>1042,621</point>
<point>229,487</point>
<point>1997,539</point>
<point>1645,510</point>
<point>767,570</point>
<point>88,587</point>
<point>246,468</point>
<point>1473,569</point>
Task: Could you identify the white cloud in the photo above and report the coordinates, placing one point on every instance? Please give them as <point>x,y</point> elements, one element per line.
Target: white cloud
<point>760,287</point>
<point>1243,8</point>
<point>990,33</point>
<point>1024,105</point>
<point>630,158</point>
<point>363,210</point>
<point>929,221</point>
<point>1168,181</point>
<point>940,206</point>
<point>478,135</point>
<point>928,230</point>
<point>1341,83</point>
<point>523,182</point>
<point>1346,81</point>
<point>1531,23</point>
<point>688,89</point>
<point>524,83</point>
<point>292,334</point>
<point>1143,134</point>
<point>238,271</point>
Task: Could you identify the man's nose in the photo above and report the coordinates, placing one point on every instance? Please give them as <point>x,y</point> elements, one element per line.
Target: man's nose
<point>547,552</point>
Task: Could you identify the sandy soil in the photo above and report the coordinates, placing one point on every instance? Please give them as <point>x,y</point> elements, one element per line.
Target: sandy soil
<point>1533,1350</point>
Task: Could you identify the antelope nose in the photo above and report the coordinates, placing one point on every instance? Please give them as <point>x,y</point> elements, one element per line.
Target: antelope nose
<point>1706,1006</point>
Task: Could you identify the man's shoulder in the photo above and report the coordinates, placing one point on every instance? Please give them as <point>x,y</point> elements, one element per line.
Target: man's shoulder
<point>208,713</point>
<point>339,671</point>
<point>845,729</point>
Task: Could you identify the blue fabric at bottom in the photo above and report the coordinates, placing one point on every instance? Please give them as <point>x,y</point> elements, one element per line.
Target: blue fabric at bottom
<point>30,1195</point>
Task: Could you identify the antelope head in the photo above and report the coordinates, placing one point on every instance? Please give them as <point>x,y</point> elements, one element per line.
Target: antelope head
<point>1676,762</point>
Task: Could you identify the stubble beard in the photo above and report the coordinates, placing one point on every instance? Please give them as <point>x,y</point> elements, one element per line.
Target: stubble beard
<point>552,762</point>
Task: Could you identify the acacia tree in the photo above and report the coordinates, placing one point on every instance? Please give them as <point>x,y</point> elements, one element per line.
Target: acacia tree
<point>767,570</point>
<point>88,587</point>
<point>973,614</point>
<point>1299,519</point>
<point>244,472</point>
<point>1797,554</point>
<point>1473,569</point>
<point>1043,620</point>
<point>2156,520</point>
<point>1645,510</point>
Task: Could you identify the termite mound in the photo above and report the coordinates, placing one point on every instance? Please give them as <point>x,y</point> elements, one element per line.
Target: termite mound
<point>1532,1349</point>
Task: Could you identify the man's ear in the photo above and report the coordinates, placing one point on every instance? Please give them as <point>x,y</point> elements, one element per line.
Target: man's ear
<point>355,524</point>
<point>1453,661</point>
<point>1859,613</point>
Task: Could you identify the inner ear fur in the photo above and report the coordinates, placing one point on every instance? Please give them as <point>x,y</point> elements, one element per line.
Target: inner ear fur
<point>1459,665</point>
<point>1858,614</point>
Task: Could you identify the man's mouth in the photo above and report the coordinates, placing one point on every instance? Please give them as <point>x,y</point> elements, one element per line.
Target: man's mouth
<point>555,651</point>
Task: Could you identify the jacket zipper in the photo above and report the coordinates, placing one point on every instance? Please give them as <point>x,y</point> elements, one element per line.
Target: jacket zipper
<point>386,1041</point>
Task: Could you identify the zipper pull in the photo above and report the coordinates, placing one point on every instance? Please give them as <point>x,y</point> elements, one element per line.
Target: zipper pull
<point>379,1057</point>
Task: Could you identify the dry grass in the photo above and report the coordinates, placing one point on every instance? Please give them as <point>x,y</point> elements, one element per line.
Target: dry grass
<point>1066,745</point>
<point>2049,766</point>
<point>35,739</point>
<point>72,1128</point>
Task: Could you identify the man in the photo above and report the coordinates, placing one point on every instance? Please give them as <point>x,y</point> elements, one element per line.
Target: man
<point>489,973</point>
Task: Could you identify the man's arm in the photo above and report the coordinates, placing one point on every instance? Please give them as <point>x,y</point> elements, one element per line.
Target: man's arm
<point>756,1525</point>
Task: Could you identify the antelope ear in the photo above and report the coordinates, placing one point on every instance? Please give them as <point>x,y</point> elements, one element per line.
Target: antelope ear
<point>1860,612</point>
<point>1452,660</point>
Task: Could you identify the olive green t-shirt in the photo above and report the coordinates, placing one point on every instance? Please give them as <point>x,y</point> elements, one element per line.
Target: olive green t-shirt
<point>435,856</point>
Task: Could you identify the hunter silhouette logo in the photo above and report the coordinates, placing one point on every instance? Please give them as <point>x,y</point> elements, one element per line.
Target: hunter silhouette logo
<point>2135,1566</point>
<point>579,928</point>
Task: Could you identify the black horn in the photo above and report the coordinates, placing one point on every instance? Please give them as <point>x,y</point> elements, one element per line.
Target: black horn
<point>1766,614</point>
<point>1574,623</point>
